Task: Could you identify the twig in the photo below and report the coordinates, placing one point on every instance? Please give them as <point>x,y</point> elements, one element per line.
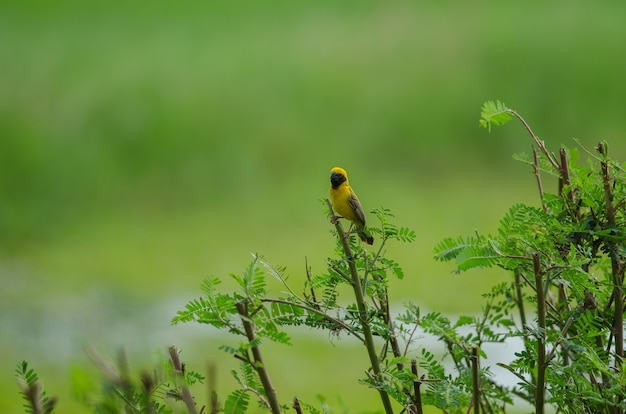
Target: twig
<point>541,346</point>
<point>417,395</point>
<point>212,384</point>
<point>258,365</point>
<point>617,267</point>
<point>409,340</point>
<point>538,142</point>
<point>340,272</point>
<point>534,288</point>
<point>393,338</point>
<point>475,379</point>
<point>180,373</point>
<point>362,311</point>
<point>308,277</point>
<point>259,395</point>
<point>564,170</point>
<point>148,387</point>
<point>336,321</point>
<point>296,405</point>
<point>34,395</point>
<point>564,306</point>
<point>538,178</point>
<point>519,298</point>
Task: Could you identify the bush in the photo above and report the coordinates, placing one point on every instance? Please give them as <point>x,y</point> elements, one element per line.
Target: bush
<point>563,300</point>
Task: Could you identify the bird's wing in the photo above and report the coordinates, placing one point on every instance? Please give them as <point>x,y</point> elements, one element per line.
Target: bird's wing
<point>356,206</point>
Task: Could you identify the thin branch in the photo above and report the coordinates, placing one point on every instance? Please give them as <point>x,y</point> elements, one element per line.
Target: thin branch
<point>258,365</point>
<point>242,358</point>
<point>318,312</point>
<point>410,338</point>
<point>519,298</point>
<point>340,272</point>
<point>212,385</point>
<point>565,175</point>
<point>296,405</point>
<point>538,142</point>
<point>475,379</point>
<point>541,345</point>
<point>308,277</point>
<point>362,312</point>
<point>393,338</point>
<point>617,266</point>
<point>538,178</point>
<point>417,395</point>
<point>34,395</point>
<point>534,288</point>
<point>179,368</point>
<point>259,395</point>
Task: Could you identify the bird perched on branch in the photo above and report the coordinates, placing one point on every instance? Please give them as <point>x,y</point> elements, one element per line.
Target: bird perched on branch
<point>346,203</point>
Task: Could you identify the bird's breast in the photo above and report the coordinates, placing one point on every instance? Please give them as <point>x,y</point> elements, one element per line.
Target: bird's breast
<point>339,198</point>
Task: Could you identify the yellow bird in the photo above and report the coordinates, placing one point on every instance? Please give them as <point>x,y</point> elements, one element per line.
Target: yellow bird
<point>346,203</point>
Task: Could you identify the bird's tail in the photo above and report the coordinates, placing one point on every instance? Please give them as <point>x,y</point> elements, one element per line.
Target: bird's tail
<point>365,238</point>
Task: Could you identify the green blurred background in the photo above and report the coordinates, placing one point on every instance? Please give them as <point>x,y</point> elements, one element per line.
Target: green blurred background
<point>146,145</point>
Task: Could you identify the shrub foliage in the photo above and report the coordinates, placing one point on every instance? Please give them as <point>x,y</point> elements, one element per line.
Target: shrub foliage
<point>562,299</point>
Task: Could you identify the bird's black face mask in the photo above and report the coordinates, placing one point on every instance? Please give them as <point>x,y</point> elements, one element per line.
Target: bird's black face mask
<point>336,179</point>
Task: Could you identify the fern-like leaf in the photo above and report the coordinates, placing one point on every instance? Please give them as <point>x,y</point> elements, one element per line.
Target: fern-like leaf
<point>237,402</point>
<point>405,235</point>
<point>469,252</point>
<point>476,256</point>
<point>449,248</point>
<point>32,391</point>
<point>209,285</point>
<point>495,113</point>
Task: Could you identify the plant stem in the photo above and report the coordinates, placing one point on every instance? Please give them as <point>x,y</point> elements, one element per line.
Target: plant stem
<point>180,373</point>
<point>211,382</point>
<point>296,405</point>
<point>475,379</point>
<point>308,278</point>
<point>565,179</point>
<point>393,338</point>
<point>617,268</point>
<point>536,171</point>
<point>362,309</point>
<point>541,345</point>
<point>258,365</point>
<point>329,318</point>
<point>519,299</point>
<point>416,389</point>
<point>542,146</point>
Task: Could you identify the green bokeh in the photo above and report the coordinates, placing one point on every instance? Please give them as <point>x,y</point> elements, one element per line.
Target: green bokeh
<point>146,145</point>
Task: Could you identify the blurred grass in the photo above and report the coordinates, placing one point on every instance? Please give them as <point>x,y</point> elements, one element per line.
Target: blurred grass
<point>144,146</point>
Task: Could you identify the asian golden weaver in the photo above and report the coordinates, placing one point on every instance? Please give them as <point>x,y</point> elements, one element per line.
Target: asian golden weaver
<point>346,203</point>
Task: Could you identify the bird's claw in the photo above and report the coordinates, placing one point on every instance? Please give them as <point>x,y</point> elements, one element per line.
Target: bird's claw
<point>334,219</point>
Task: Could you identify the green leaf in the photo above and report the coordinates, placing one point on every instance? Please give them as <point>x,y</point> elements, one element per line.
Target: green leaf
<point>449,248</point>
<point>31,389</point>
<point>209,284</point>
<point>252,280</point>
<point>193,377</point>
<point>495,113</point>
<point>476,256</point>
<point>469,252</point>
<point>237,402</point>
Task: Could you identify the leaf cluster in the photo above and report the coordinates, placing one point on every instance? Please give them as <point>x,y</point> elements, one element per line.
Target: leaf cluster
<point>36,400</point>
<point>164,389</point>
<point>567,256</point>
<point>562,298</point>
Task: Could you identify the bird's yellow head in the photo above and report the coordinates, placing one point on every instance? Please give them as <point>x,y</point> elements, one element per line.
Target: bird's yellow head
<point>338,176</point>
